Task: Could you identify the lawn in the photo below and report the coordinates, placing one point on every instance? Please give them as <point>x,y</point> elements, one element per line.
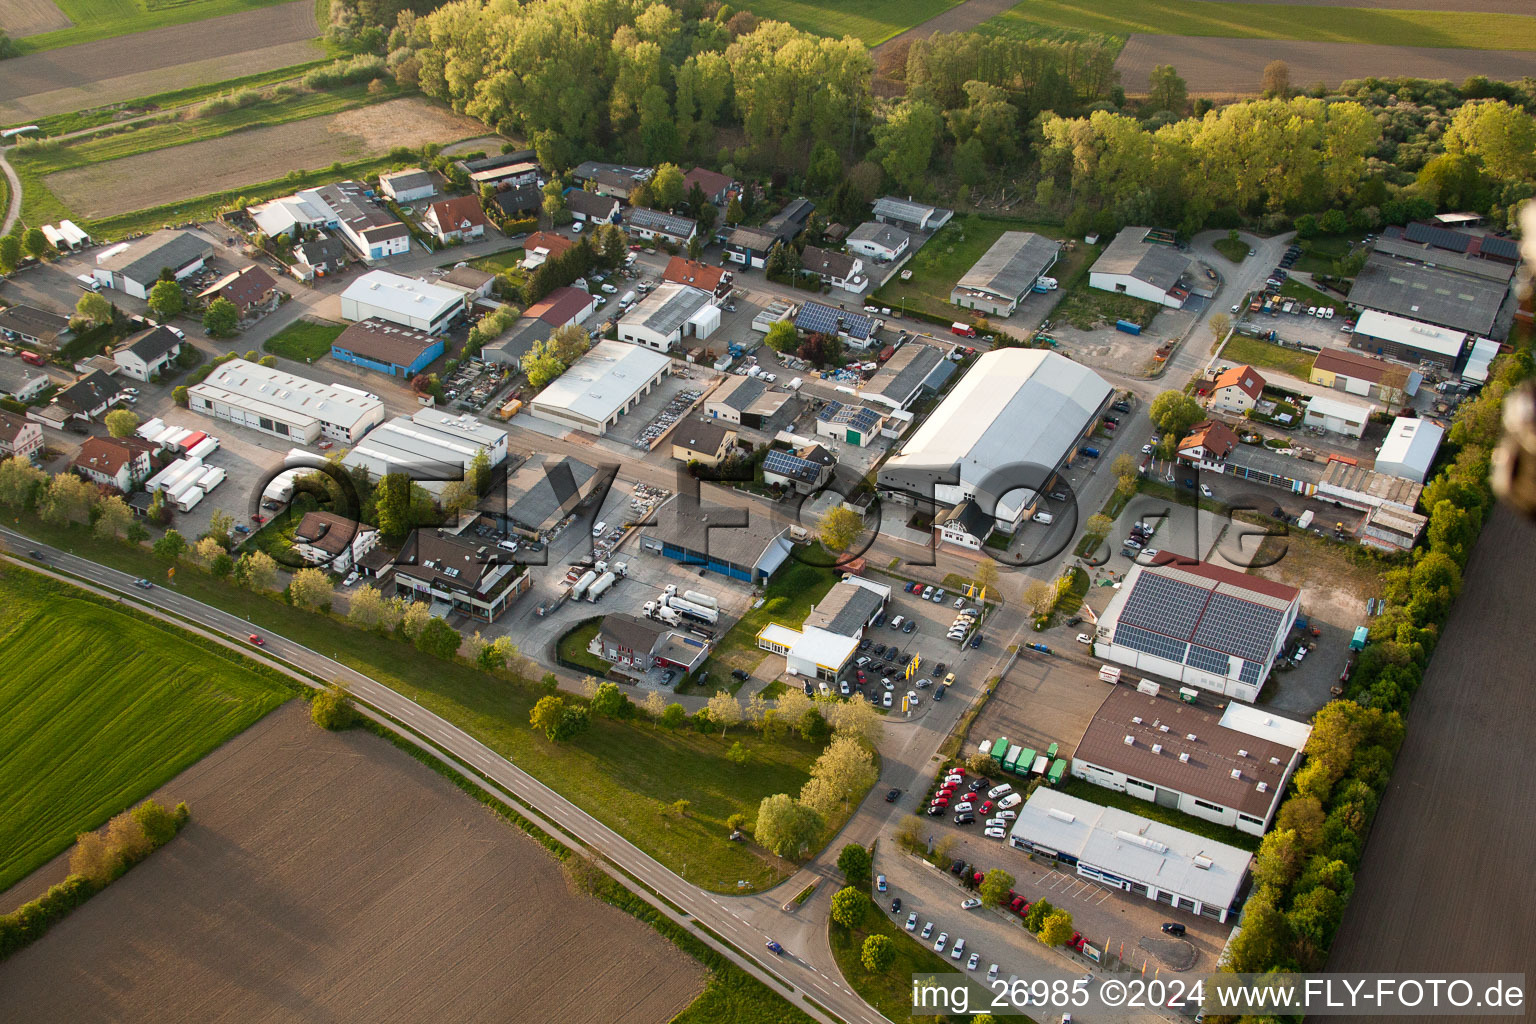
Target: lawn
<point>1266,355</point>
<point>871,21</point>
<point>304,340</point>
<point>774,690</point>
<point>1167,815</point>
<point>499,262</point>
<point>889,992</point>
<point>939,264</point>
<point>103,19</point>
<point>1234,249</point>
<point>628,774</point>
<point>1318,254</point>
<point>1476,31</point>
<point>788,599</point>
<point>573,648</point>
<point>99,709</point>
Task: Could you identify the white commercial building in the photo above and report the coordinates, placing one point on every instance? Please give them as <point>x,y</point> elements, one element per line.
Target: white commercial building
<point>1134,854</point>
<point>1132,264</point>
<point>274,402</point>
<point>134,267</point>
<point>670,313</point>
<point>1000,436</point>
<point>1337,416</point>
<point>1410,448</point>
<point>429,446</point>
<point>402,300</point>
<point>1006,272</point>
<point>1410,341</point>
<point>1230,768</point>
<point>601,386</point>
<point>1198,624</point>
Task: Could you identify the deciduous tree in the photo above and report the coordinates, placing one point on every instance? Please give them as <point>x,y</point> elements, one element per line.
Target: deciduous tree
<point>1167,91</point>
<point>849,906</point>
<point>258,570</point>
<point>840,526</point>
<point>166,299</point>
<point>310,589</point>
<point>66,499</point>
<point>438,639</point>
<point>170,546</point>
<point>786,827</point>
<point>546,715</point>
<point>878,954</point>
<point>19,482</point>
<point>367,607</point>
<point>221,318</point>
<point>1056,929</point>
<point>855,863</point>
<point>995,887</point>
<point>674,716</point>
<point>121,422</point>
<point>113,517</point>
<point>724,710</point>
<point>332,708</point>
<point>1174,412</point>
<point>94,307</point>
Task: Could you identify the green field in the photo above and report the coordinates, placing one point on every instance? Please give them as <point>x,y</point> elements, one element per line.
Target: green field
<point>303,340</point>
<point>628,774</point>
<point>1234,249</point>
<point>97,709</point>
<point>870,21</point>
<point>1266,355</point>
<point>939,264</point>
<point>1122,18</point>
<point>103,19</point>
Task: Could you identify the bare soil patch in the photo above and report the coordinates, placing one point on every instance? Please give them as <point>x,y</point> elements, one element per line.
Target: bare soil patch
<point>93,74</point>
<point>30,17</point>
<point>1225,67</point>
<point>1422,903</point>
<point>248,157</point>
<point>332,877</point>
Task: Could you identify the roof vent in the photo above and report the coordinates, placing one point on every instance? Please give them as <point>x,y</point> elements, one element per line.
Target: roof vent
<point>1237,773</point>
<point>1242,753</point>
<point>1130,741</point>
<point>1190,736</point>
<point>1157,748</point>
<point>1142,841</point>
<point>1203,862</point>
<point>1061,815</point>
<point>1274,760</point>
<point>1136,719</point>
<point>1162,728</point>
<point>1263,787</point>
<point>1184,757</point>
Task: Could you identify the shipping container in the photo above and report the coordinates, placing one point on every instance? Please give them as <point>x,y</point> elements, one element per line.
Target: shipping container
<point>1000,748</point>
<point>1128,326</point>
<point>1026,758</point>
<point>1012,760</point>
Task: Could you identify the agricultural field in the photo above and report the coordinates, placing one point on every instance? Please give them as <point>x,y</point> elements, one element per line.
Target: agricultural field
<point>74,22</point>
<point>229,162</point>
<point>93,74</point>
<point>871,21</point>
<point>344,877</point>
<point>97,708</point>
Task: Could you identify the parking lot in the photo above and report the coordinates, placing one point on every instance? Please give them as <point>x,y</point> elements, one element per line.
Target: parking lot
<point>668,402</point>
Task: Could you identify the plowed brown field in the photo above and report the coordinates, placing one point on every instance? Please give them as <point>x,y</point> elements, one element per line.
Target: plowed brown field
<point>330,877</point>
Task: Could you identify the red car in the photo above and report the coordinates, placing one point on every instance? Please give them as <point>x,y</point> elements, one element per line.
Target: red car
<point>948,787</point>
<point>258,518</point>
<point>986,808</point>
<point>258,641</point>
<point>972,795</point>
<point>1077,940</point>
<point>939,801</point>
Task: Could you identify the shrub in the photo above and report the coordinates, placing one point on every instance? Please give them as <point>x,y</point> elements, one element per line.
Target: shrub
<point>332,709</point>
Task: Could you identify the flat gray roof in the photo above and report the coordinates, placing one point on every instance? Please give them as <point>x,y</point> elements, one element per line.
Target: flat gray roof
<point>143,260</point>
<point>603,381</point>
<point>1130,254</point>
<point>1433,294</point>
<point>1009,268</point>
<point>904,371</point>
<point>668,307</point>
<point>704,529</point>
<point>888,235</point>
<point>548,490</point>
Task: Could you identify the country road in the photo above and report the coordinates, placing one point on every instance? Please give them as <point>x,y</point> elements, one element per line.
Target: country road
<point>13,208</point>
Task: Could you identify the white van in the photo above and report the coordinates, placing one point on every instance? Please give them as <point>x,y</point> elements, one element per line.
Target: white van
<point>897,622</point>
<point>1044,517</point>
<point>997,791</point>
<point>627,300</point>
<point>608,289</point>
<point>598,529</point>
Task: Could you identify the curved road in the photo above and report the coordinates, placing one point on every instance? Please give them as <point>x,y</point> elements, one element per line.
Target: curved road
<point>13,210</point>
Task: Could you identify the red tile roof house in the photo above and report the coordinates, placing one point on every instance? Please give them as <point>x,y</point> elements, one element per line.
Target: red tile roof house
<point>459,218</point>
<point>1208,443</point>
<point>19,438</point>
<point>121,462</point>
<point>1237,389</point>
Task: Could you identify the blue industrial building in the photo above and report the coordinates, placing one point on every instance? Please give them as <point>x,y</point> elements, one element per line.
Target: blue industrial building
<point>389,348</point>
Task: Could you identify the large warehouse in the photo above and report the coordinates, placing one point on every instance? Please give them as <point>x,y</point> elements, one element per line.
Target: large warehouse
<point>1461,294</point>
<point>1010,424</point>
<point>134,267</point>
<point>1198,624</point>
<point>274,402</point>
<point>601,386</point>
<point>429,446</point>
<point>406,301</point>
<point>1128,852</point>
<point>1409,449</point>
<point>1135,264</point>
<point>1228,768</point>
<point>1007,272</point>
<point>668,315</point>
<point>742,543</point>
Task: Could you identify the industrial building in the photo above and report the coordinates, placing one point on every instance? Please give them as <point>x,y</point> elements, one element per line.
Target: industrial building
<point>504,170</point>
<point>1409,341</point>
<point>547,492</point>
<point>882,243</point>
<point>389,348</point>
<point>1410,448</point>
<point>22,381</point>
<point>275,402</point>
<point>1138,264</point>
<point>430,446</point>
<point>408,185</point>
<point>854,424</point>
<point>916,369</point>
<point>333,542</point>
<point>1357,374</point>
<point>913,216</point>
<point>669,314</point>
<point>1336,415</point>
<point>406,301</point>
<point>742,544</point>
<point>1000,436</point>
<point>1461,294</point>
<point>29,325</point>
<point>1228,767</point>
<point>1134,854</point>
<point>1199,624</point>
<point>1006,272</point>
<point>604,384</point>
<point>1355,487</point>
<point>1391,529</point>
<point>824,644</point>
<point>134,267</point>
<point>457,576</point>
<point>370,228</point>
<point>857,329</point>
<point>746,401</point>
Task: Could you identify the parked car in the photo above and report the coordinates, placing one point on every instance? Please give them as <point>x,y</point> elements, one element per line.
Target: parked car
<point>909,626</point>
<point>941,942</point>
<point>938,596</point>
<point>995,833</point>
<point>970,904</point>
<point>879,883</point>
<point>973,962</point>
<point>912,921</point>
<point>1173,928</point>
<point>1084,638</point>
<point>958,951</point>
<point>891,796</point>
<point>965,818</point>
<point>927,930</point>
<point>743,674</point>
<point>896,905</point>
<point>886,700</point>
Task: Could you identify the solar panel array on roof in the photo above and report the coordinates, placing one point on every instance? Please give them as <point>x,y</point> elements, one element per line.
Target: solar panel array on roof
<point>1238,627</point>
<point>1148,642</point>
<point>1440,238</point>
<point>787,464</point>
<point>1164,605</point>
<point>1250,672</point>
<point>821,319</point>
<point>1500,248</point>
<point>1208,660</point>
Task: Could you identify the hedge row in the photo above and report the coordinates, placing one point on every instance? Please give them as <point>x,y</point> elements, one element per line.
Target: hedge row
<point>1304,871</point>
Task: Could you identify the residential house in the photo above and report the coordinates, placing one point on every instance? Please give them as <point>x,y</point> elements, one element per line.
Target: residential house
<point>750,246</point>
<point>369,227</point>
<point>611,179</point>
<point>654,225</point>
<point>965,525</point>
<point>1208,444</point>
<point>121,462</point>
<point>458,576</point>
<point>637,646</point>
<point>458,219</point>
<point>21,381</point>
<point>88,397</point>
<point>477,282</point>
<point>543,245</point>
<point>325,255</point>
<point>716,187</point>
<point>1237,389</point>
<point>518,201</point>
<point>882,243</point>
<point>38,328</point>
<point>248,289</point>
<point>560,308</point>
<point>145,354</point>
<point>707,442</point>
<point>803,470</point>
<point>333,542</point>
<point>20,438</point>
<point>681,270</point>
<point>838,269</point>
<point>857,329</point>
<point>408,185</point>
<point>592,208</point>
